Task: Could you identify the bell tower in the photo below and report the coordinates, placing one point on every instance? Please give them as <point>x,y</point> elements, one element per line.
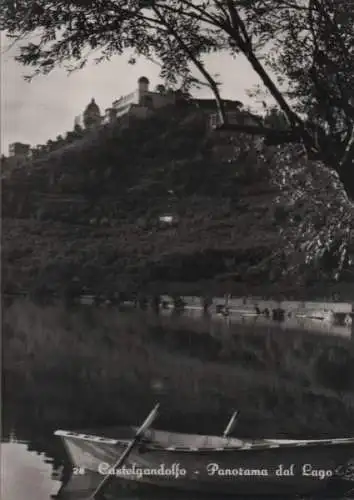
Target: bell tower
<point>143,88</point>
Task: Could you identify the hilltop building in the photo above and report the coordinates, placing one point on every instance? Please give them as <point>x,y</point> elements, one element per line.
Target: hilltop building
<point>140,102</point>
<point>18,153</point>
<point>19,150</point>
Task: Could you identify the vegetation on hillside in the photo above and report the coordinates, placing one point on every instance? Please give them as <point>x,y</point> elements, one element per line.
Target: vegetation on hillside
<point>92,212</point>
<point>88,216</point>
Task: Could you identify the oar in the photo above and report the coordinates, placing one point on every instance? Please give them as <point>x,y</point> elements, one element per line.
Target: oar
<point>230,425</point>
<point>147,423</point>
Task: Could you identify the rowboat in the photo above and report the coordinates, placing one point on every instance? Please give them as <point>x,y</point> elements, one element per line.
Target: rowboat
<point>220,465</point>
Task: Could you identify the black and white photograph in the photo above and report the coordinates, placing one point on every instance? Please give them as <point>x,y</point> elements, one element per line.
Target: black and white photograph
<point>177,239</point>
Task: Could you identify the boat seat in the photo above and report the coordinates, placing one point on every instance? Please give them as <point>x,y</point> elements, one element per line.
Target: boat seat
<point>163,439</point>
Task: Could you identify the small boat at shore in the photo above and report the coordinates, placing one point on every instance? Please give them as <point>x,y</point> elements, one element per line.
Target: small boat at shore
<point>220,465</point>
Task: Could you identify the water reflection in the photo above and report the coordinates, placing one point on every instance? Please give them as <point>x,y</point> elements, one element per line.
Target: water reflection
<point>218,324</point>
<point>51,386</point>
<point>26,475</point>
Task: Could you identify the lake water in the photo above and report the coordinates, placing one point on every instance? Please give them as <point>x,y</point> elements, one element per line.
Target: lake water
<point>218,323</point>
<point>32,462</point>
<point>26,475</point>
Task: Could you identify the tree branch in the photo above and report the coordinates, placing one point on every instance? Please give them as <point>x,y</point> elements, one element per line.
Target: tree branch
<point>245,45</point>
<point>212,83</point>
<point>220,6</point>
<point>239,33</point>
<point>202,15</point>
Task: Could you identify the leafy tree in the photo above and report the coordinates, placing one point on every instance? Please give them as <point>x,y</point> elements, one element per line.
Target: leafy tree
<point>78,130</point>
<point>50,145</point>
<point>160,89</point>
<point>317,218</point>
<point>35,151</point>
<point>275,119</point>
<point>70,136</point>
<point>311,51</point>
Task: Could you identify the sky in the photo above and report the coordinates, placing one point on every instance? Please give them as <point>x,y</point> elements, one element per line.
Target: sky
<point>35,112</point>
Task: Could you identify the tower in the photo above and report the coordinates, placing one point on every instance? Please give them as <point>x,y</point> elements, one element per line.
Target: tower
<point>143,87</point>
<point>143,91</point>
<point>92,116</point>
<point>77,121</point>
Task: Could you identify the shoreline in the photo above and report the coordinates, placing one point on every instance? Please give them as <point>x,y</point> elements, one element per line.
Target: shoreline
<point>337,292</point>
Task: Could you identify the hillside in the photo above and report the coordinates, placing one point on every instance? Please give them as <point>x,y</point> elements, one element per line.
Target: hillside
<point>88,215</point>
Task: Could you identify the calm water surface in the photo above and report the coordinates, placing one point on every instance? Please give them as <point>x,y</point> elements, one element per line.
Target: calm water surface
<point>31,466</point>
<point>26,475</point>
<point>217,324</point>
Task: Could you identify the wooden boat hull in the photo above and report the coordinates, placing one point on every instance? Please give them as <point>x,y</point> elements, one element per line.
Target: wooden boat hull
<point>266,469</point>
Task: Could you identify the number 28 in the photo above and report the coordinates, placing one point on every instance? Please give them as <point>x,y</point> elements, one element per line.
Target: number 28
<point>78,471</point>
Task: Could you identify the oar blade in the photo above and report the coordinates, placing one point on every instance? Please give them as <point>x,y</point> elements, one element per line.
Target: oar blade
<point>148,421</point>
<point>231,424</point>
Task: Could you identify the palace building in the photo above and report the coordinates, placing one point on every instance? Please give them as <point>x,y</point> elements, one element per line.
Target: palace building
<point>140,102</point>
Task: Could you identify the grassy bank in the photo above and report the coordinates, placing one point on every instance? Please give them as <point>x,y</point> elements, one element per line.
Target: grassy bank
<point>88,367</point>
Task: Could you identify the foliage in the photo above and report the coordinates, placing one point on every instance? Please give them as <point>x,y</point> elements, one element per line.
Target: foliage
<point>316,214</point>
<point>309,46</point>
<point>95,208</point>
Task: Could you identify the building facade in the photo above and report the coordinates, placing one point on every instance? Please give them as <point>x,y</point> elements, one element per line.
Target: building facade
<point>141,102</point>
<point>19,149</point>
